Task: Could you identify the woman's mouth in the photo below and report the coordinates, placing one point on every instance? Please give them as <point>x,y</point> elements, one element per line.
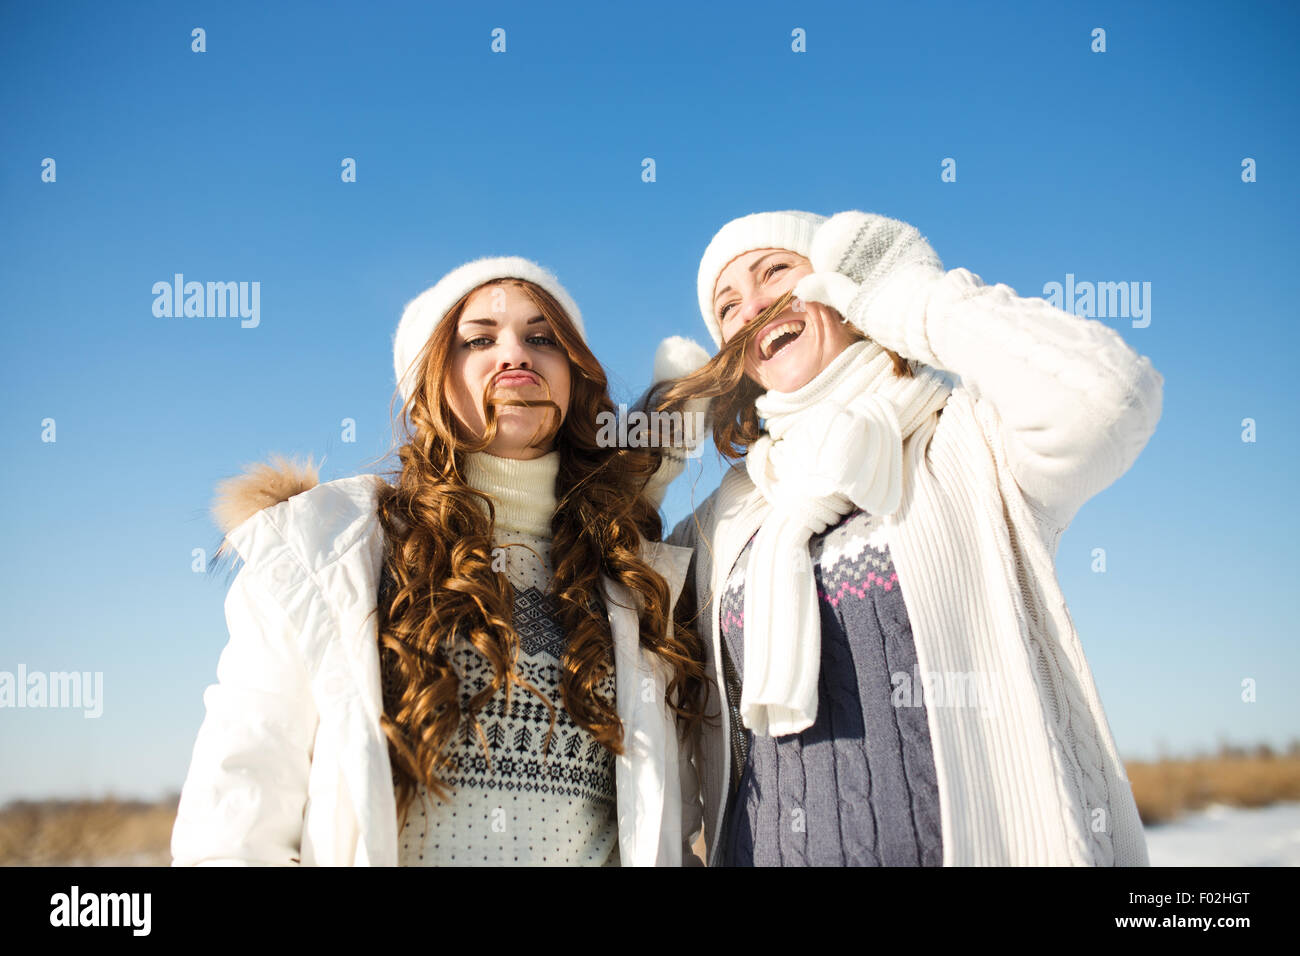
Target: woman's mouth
<point>516,379</point>
<point>778,336</point>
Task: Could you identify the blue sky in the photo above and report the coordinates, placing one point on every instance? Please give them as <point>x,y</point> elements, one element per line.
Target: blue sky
<point>225,166</point>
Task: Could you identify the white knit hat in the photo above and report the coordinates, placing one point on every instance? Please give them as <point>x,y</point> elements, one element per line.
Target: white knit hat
<point>426,310</point>
<point>792,230</point>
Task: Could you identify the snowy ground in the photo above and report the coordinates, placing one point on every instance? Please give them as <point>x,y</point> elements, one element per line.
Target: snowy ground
<point>1229,836</point>
<point>1217,836</point>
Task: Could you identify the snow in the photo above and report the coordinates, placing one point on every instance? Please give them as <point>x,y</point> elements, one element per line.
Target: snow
<point>1229,836</point>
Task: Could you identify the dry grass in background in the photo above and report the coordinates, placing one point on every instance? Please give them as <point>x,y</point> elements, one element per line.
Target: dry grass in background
<point>87,833</point>
<point>1166,789</point>
<point>135,833</point>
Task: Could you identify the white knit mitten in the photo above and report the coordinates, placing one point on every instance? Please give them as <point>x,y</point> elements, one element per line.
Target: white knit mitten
<point>678,357</point>
<point>853,255</point>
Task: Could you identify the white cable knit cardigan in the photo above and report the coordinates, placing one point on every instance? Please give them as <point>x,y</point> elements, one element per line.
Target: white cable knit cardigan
<point>1048,410</point>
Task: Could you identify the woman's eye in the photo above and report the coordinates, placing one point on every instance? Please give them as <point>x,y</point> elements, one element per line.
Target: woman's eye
<point>482,341</point>
<point>767,274</point>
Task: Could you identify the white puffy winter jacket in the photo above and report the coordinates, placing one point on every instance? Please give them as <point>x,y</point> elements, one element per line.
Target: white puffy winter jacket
<point>291,766</point>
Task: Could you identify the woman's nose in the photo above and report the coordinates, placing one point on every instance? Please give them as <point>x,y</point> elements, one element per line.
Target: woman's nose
<point>753,307</point>
<point>512,354</point>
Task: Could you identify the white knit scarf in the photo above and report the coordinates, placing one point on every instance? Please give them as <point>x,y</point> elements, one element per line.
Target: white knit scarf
<point>782,620</point>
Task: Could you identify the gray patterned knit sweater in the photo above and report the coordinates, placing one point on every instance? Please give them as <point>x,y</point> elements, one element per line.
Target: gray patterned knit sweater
<point>858,787</point>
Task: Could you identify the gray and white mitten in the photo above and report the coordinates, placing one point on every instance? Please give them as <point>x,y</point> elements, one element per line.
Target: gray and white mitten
<point>854,254</point>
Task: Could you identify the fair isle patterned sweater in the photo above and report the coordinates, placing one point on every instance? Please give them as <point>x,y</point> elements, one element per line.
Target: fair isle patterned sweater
<point>858,787</point>
<point>523,803</point>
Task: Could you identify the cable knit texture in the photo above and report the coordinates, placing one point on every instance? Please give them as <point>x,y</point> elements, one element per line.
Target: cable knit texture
<point>1049,410</point>
<point>860,782</point>
<point>832,444</point>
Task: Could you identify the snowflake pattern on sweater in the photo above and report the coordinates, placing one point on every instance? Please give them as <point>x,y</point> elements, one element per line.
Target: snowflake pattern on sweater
<point>527,800</point>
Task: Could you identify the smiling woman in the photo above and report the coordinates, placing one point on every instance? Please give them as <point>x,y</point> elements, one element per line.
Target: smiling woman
<point>884,522</point>
<point>794,343</point>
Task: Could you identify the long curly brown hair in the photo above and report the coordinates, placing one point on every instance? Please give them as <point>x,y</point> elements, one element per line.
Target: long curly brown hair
<point>732,415</point>
<point>442,589</point>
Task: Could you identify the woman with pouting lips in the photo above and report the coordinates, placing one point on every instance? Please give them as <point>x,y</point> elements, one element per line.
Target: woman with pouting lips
<point>476,664</point>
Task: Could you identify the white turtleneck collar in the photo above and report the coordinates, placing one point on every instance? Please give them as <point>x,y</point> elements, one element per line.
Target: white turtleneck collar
<point>523,491</point>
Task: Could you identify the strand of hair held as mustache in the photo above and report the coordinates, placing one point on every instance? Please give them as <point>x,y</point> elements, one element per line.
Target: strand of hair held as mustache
<point>491,401</point>
<point>721,373</point>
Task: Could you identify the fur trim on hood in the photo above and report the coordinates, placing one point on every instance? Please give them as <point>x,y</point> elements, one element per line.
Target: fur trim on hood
<point>260,486</point>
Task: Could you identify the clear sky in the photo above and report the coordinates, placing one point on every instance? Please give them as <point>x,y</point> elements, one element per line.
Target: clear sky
<point>1123,165</point>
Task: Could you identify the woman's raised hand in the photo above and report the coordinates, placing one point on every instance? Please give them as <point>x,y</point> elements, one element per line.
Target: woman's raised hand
<point>855,253</point>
